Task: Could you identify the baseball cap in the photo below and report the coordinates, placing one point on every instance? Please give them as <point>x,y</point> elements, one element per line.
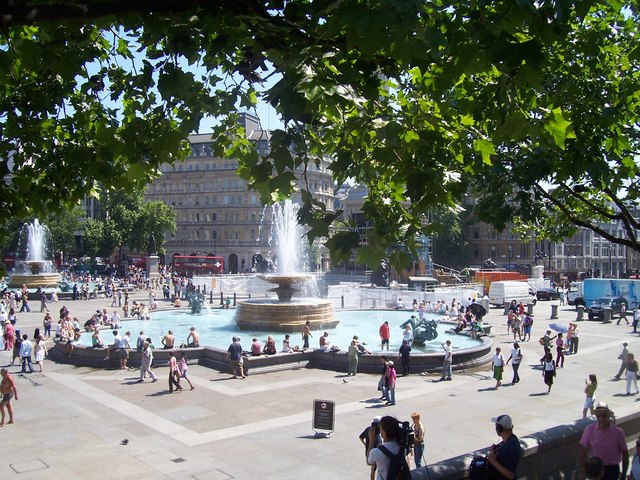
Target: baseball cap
<point>504,421</point>
<point>390,363</point>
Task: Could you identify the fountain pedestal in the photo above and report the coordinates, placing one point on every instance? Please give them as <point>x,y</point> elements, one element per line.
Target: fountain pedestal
<point>285,314</point>
<point>152,266</point>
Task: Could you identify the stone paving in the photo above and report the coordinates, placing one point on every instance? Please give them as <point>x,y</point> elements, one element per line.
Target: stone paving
<point>74,422</point>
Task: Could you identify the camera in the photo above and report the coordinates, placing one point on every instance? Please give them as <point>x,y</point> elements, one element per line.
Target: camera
<point>406,438</point>
<point>375,426</point>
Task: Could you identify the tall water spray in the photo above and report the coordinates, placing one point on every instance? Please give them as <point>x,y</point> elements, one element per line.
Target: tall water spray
<point>36,240</point>
<point>286,234</point>
<point>35,270</point>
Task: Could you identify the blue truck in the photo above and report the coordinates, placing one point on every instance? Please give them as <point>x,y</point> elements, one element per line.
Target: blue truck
<point>594,288</point>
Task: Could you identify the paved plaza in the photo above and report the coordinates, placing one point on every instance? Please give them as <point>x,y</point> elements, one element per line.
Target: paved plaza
<point>76,422</point>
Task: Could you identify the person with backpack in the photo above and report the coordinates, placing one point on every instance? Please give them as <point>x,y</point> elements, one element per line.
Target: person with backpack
<point>389,457</point>
<point>503,458</point>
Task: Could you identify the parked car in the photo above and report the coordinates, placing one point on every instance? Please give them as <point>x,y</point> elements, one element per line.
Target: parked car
<point>596,309</point>
<point>547,294</point>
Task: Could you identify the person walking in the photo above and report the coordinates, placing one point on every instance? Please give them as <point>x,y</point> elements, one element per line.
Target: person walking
<point>418,442</point>
<point>8,391</point>
<point>632,374</point>
<point>183,368</point>
<point>623,314</point>
<point>606,441</point>
<point>548,370</point>
<point>391,379</point>
<point>174,373</point>
<point>39,352</point>
<point>623,359</point>
<point>559,351</point>
<point>146,361</point>
<point>26,348</point>
<point>515,358</point>
<point>575,337</point>
<point>590,391</point>
<point>404,355</point>
<point>497,366</point>
<point>446,361</point>
<point>352,356</point>
<point>234,354</point>
<point>636,319</point>
<point>382,382</point>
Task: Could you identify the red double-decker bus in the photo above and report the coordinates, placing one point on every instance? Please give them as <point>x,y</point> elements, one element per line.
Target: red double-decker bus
<point>190,265</point>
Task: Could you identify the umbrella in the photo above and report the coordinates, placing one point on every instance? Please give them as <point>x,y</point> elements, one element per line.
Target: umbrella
<point>477,309</point>
<point>558,327</point>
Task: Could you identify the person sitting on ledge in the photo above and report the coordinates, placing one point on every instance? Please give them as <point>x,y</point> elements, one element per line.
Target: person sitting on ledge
<point>286,347</point>
<point>270,347</point>
<point>168,341</point>
<point>96,342</point>
<point>177,303</point>
<point>325,344</point>
<point>256,347</point>
<point>193,340</point>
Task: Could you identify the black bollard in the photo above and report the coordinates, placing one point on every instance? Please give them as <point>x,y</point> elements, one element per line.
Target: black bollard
<point>221,299</point>
<point>342,301</point>
<point>211,297</point>
<point>234,299</point>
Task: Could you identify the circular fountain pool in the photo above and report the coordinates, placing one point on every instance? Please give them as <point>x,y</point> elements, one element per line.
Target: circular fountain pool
<point>218,326</point>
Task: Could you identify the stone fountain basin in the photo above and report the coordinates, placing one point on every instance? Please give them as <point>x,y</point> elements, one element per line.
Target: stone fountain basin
<point>285,278</point>
<point>272,315</point>
<point>49,280</point>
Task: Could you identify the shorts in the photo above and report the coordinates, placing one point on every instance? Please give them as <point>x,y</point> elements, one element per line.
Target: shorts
<point>588,402</point>
<point>385,340</point>
<point>7,396</point>
<point>122,353</point>
<point>497,372</point>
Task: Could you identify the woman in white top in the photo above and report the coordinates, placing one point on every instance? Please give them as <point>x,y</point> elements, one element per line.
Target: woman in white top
<point>548,370</point>
<point>497,365</point>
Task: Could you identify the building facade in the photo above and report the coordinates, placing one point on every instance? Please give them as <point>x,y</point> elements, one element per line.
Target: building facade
<point>216,212</point>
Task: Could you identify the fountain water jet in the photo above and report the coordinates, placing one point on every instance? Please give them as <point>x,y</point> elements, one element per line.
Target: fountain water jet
<point>286,313</point>
<point>35,271</point>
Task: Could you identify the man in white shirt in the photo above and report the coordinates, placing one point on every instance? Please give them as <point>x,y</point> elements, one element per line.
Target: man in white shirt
<point>446,363</point>
<point>26,348</point>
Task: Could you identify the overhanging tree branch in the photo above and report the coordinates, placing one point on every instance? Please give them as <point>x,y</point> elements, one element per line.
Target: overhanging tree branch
<point>628,242</point>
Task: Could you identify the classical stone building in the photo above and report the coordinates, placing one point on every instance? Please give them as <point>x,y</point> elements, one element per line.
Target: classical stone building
<point>216,212</point>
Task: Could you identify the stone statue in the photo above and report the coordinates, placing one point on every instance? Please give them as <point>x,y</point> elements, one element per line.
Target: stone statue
<point>151,246</point>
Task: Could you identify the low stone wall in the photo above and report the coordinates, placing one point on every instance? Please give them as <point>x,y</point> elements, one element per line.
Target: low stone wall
<point>420,362</point>
<point>217,358</point>
<point>548,455</point>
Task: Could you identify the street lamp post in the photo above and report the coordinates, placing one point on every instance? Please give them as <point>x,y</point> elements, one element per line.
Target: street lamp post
<point>509,262</point>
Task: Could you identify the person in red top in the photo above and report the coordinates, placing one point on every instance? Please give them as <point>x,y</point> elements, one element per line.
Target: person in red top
<point>384,335</point>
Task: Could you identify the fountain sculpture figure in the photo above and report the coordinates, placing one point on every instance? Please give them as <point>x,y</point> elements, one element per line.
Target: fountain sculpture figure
<point>35,271</point>
<point>286,313</point>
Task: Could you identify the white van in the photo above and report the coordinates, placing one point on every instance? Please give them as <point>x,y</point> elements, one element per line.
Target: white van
<point>503,292</point>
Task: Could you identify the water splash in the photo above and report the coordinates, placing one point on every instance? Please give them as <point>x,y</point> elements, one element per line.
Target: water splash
<point>36,240</point>
<point>286,235</point>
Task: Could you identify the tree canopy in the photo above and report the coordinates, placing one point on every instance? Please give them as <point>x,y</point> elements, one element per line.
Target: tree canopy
<point>532,105</point>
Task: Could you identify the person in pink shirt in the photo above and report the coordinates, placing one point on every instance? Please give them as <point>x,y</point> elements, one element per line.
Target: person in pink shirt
<point>559,351</point>
<point>174,373</point>
<point>606,441</point>
<point>384,335</point>
<point>9,336</point>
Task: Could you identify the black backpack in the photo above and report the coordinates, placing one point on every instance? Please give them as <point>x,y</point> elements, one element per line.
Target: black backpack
<point>479,468</point>
<point>398,467</point>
